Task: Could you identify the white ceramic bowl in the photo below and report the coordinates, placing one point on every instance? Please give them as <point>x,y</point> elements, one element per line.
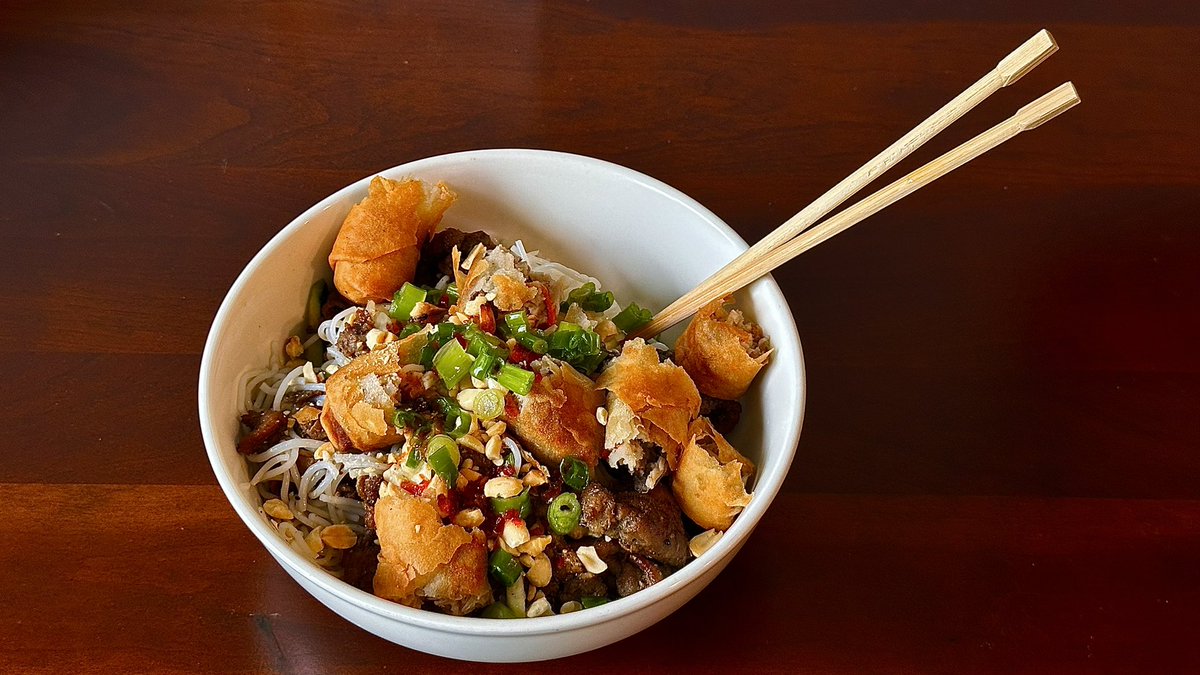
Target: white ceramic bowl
<point>644,240</point>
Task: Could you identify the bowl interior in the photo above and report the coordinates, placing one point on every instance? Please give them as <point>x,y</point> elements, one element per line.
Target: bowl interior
<point>645,241</point>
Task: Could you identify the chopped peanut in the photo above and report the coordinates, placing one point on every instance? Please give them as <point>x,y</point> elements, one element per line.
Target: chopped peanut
<point>502,487</point>
<point>277,509</point>
<point>704,541</point>
<point>539,607</point>
<point>471,442</point>
<point>339,536</point>
<point>591,561</point>
<point>539,572</point>
<point>516,534</point>
<point>313,539</point>
<point>536,545</point>
<point>294,348</point>
<point>469,518</point>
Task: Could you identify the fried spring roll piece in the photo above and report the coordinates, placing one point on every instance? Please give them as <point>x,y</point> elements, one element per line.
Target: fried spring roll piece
<point>421,559</point>
<point>359,396</point>
<point>558,418</point>
<point>722,350</point>
<point>649,404</point>
<point>710,483</point>
<point>377,248</point>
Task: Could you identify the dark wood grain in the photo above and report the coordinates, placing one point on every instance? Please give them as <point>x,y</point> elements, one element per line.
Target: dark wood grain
<point>999,467</point>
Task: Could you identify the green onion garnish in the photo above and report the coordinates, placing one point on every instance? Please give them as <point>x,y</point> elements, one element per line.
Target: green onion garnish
<point>433,296</point>
<point>632,318</point>
<point>499,610</point>
<point>409,329</point>
<point>479,342</point>
<point>414,459</point>
<point>590,601</point>
<point>577,346</point>
<point>517,326</point>
<point>516,323</point>
<point>564,513</point>
<point>405,300</point>
<point>587,298</point>
<point>504,567</point>
<point>442,454</point>
<point>515,379</point>
<point>574,473</point>
<point>458,423</point>
<point>446,330</point>
<point>452,363</point>
<point>519,503</point>
<point>406,419</point>
<point>427,354</point>
<point>533,342</point>
<point>452,291</point>
<point>485,364</point>
<point>489,404</point>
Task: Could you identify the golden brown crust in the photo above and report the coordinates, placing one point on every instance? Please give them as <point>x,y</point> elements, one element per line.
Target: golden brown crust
<point>512,294</point>
<point>661,397</point>
<point>376,250</point>
<point>711,489</point>
<point>715,353</point>
<point>422,559</point>
<point>353,422</point>
<point>558,418</point>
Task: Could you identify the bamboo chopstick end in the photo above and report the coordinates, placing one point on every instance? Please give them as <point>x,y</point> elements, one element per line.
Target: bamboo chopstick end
<point>1048,106</point>
<point>1026,57</point>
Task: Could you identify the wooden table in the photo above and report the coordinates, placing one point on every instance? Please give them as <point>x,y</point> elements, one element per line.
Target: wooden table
<point>1000,464</point>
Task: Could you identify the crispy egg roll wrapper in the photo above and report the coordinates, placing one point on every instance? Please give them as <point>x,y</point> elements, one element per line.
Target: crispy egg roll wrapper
<point>377,248</point>
<point>422,559</point>
<point>715,352</point>
<point>710,481</point>
<point>659,398</point>
<point>558,418</point>
<point>351,422</point>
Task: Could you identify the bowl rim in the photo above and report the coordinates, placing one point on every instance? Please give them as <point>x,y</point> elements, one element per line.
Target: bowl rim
<point>765,489</point>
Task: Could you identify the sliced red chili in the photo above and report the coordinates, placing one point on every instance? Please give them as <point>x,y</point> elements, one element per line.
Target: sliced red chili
<point>487,319</point>
<point>551,308</point>
<point>521,355</point>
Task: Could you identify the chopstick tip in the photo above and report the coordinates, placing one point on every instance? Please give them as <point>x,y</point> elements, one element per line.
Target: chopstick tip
<point>1026,57</point>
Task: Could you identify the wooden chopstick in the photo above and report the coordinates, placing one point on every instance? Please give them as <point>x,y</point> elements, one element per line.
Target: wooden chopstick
<point>1023,59</point>
<point>1040,111</point>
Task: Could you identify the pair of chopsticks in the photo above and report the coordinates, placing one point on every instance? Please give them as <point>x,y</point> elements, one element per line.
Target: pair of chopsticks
<point>793,237</point>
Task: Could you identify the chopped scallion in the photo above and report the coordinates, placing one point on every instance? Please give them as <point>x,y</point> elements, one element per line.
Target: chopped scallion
<point>589,299</point>
<point>632,318</point>
<point>574,473</point>
<point>519,503</point>
<point>414,459</point>
<point>403,418</point>
<point>446,330</point>
<point>452,362</point>
<point>499,610</point>
<point>405,300</point>
<point>442,454</point>
<point>564,513</point>
<point>489,404</point>
<point>504,568</point>
<point>516,379</point>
